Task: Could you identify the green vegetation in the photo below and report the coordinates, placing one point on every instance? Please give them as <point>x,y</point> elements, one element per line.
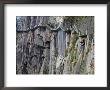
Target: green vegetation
<point>72,48</point>
<point>66,52</point>
<point>74,19</point>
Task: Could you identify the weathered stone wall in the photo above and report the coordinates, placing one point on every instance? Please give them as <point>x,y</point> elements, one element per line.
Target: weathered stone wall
<point>31,49</point>
<point>52,49</point>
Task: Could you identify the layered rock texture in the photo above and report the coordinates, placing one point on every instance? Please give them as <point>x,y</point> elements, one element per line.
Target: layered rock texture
<point>55,45</point>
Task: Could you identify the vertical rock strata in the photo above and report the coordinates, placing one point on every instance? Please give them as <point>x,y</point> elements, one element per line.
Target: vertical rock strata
<point>48,45</point>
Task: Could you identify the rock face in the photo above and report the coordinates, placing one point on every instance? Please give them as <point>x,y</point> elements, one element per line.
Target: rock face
<point>47,45</point>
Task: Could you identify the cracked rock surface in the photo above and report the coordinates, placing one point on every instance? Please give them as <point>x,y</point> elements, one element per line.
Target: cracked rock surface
<point>55,45</point>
